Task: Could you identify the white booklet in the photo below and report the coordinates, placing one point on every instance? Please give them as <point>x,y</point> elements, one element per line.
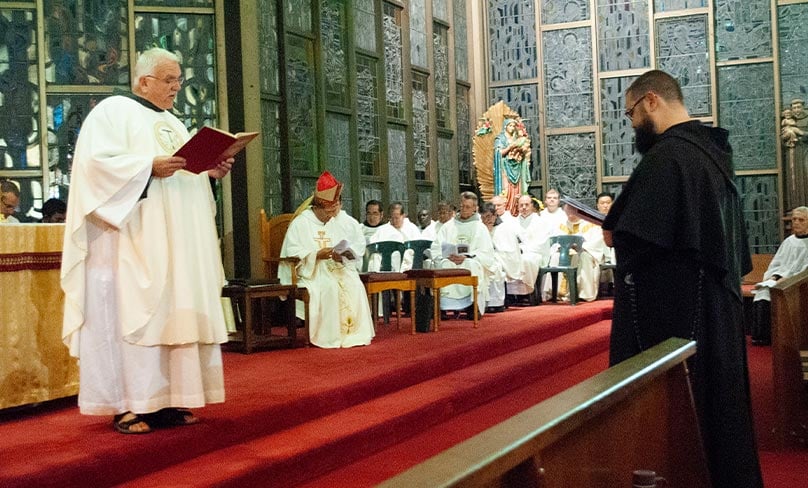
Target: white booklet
<point>462,249</point>
<point>343,248</point>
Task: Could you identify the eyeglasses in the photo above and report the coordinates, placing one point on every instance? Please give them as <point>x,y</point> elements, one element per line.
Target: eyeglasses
<point>630,112</point>
<point>169,81</point>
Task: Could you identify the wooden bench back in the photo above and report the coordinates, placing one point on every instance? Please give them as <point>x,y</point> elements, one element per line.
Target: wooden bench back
<point>760,263</point>
<point>790,335</point>
<point>638,414</point>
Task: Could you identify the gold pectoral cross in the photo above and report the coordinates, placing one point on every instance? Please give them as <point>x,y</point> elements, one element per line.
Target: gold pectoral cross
<point>322,240</point>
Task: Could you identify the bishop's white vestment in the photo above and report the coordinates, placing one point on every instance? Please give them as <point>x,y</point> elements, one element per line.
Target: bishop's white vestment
<point>141,268</point>
<point>339,314</point>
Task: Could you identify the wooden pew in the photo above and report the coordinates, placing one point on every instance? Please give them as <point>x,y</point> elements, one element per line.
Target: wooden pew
<point>636,415</point>
<point>789,336</point>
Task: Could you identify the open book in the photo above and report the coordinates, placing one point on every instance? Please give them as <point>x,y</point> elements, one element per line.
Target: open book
<point>209,146</point>
<point>585,211</point>
<point>344,249</point>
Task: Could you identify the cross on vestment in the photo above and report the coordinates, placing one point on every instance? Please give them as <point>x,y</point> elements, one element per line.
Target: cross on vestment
<point>322,240</point>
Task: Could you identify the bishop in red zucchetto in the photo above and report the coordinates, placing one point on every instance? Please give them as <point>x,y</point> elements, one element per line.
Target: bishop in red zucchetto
<point>328,249</point>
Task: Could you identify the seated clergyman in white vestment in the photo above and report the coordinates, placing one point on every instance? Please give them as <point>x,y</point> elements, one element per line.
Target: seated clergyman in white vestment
<point>339,314</point>
<point>532,232</point>
<point>141,268</point>
<point>587,260</point>
<point>465,230</point>
<point>501,238</point>
<point>399,229</point>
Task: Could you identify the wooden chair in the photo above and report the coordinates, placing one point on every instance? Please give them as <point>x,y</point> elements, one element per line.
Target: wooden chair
<point>273,232</point>
<point>386,280</point>
<point>566,243</point>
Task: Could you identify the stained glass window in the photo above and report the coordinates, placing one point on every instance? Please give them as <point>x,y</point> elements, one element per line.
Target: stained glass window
<point>301,103</point>
<point>367,99</point>
<point>568,77</point>
<point>671,5</point>
<point>65,114</point>
<point>420,125</point>
<point>463,135</point>
<point>441,63</point>
<point>561,11</point>
<point>623,34</point>
<point>397,164</point>
<point>746,94</point>
<point>418,39</point>
<point>87,42</point>
<point>393,63</point>
<point>682,51</point>
<point>617,135</point>
<point>742,29</point>
<point>447,169</point>
<point>19,98</point>
<point>761,213</point>
<point>335,56</point>
<point>512,40</point>
<point>365,21</point>
<point>461,41</point>
<point>791,22</point>
<point>271,144</point>
<point>297,15</point>
<point>268,44</point>
<point>338,152</point>
<point>572,165</point>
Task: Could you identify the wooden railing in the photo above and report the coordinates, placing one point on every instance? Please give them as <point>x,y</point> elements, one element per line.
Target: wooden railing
<point>790,335</point>
<point>638,414</point>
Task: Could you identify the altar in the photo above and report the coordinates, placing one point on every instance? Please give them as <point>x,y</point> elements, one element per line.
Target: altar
<point>35,364</point>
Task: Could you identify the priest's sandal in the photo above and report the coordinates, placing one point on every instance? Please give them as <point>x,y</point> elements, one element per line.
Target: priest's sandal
<point>127,423</point>
<point>172,417</point>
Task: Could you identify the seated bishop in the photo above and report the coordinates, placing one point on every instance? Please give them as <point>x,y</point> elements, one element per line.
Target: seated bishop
<point>465,231</point>
<point>587,260</point>
<point>339,314</point>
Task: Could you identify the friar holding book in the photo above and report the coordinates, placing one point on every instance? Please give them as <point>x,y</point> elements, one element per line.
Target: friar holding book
<point>141,267</point>
<point>339,314</point>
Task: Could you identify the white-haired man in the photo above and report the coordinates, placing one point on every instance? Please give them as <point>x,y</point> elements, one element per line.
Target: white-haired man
<point>141,268</point>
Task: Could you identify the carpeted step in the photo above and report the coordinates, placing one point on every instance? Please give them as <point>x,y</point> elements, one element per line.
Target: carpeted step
<point>321,445</point>
<point>271,391</point>
<point>372,470</point>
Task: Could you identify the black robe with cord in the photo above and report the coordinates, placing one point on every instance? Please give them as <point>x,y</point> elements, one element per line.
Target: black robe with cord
<point>681,247</point>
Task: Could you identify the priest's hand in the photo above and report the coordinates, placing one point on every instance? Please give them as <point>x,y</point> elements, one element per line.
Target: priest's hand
<point>165,166</point>
<point>456,258</point>
<point>222,169</point>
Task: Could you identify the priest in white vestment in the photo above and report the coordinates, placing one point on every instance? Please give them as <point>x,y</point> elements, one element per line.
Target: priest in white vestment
<point>501,209</point>
<point>399,229</point>
<point>141,267</point>
<point>587,260</point>
<point>532,232</point>
<point>506,256</point>
<point>339,314</point>
<point>553,215</point>
<point>374,218</point>
<point>466,229</point>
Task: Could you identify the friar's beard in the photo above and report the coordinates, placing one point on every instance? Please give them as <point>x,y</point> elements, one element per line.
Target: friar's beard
<point>644,137</point>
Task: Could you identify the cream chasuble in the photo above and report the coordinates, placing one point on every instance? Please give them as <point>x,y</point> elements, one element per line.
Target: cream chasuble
<point>140,271</point>
<point>339,314</point>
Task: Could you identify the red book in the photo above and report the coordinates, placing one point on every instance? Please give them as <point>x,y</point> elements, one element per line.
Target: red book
<point>210,146</point>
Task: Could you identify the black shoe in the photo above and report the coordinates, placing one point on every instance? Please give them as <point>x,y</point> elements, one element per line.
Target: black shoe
<point>499,309</point>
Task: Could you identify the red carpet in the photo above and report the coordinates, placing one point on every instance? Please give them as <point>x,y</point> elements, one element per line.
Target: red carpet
<point>292,415</point>
<point>326,418</point>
